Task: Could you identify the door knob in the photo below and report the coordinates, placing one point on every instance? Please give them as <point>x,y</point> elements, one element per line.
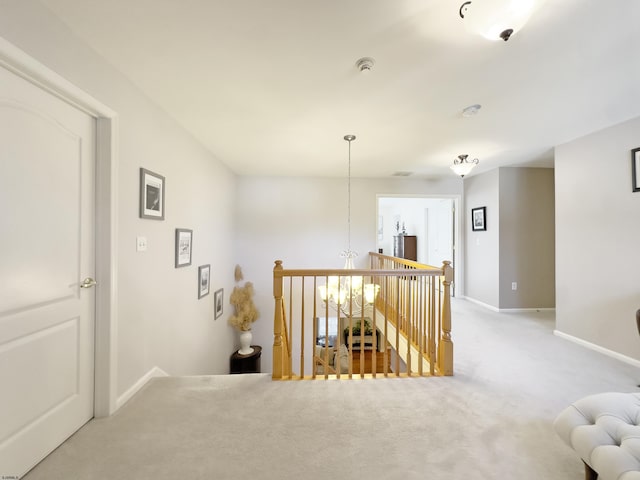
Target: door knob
<point>88,283</point>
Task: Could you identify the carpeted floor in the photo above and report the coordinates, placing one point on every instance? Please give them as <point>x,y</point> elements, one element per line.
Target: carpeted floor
<point>492,420</point>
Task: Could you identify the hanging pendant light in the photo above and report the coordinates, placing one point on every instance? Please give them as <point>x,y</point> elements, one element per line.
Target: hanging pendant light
<point>348,293</point>
<point>349,254</point>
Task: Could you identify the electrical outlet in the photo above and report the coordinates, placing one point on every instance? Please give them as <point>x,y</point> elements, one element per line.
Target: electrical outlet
<point>141,244</point>
<point>514,285</point>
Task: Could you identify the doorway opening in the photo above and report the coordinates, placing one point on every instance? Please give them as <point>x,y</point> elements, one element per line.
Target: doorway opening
<point>431,219</point>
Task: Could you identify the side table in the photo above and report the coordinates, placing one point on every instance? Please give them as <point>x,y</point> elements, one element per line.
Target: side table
<point>246,363</point>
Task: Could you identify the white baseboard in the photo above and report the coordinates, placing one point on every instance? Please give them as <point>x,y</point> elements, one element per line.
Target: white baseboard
<point>507,310</point>
<point>598,348</point>
<point>482,304</point>
<point>516,310</point>
<point>135,388</point>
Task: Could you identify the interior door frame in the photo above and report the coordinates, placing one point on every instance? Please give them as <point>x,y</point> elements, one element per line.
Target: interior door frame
<point>457,260</point>
<point>22,64</point>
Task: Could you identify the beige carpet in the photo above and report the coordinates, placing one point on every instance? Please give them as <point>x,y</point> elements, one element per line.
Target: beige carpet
<point>491,421</point>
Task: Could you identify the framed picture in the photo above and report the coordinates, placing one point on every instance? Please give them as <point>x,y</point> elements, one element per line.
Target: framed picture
<point>184,244</point>
<point>151,195</point>
<point>479,218</point>
<point>204,272</point>
<point>218,301</point>
<point>635,169</point>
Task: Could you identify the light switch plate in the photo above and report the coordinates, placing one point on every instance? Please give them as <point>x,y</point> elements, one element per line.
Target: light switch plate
<point>141,244</point>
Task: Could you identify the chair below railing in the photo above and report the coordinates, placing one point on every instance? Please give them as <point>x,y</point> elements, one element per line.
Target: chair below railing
<point>406,331</point>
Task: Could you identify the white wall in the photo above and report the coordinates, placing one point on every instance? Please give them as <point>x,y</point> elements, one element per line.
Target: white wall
<point>527,238</point>
<point>597,237</point>
<point>303,222</point>
<point>161,322</point>
<point>482,248</point>
<point>518,245</point>
<point>250,221</point>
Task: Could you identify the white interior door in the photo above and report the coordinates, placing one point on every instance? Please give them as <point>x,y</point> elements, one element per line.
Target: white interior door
<point>47,169</point>
<point>439,225</point>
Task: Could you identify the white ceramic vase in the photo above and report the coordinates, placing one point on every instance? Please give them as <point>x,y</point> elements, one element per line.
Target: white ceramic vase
<point>245,342</point>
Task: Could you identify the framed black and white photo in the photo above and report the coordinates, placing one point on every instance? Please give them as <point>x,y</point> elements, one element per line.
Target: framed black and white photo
<point>635,169</point>
<point>151,195</point>
<point>204,272</point>
<point>184,244</point>
<point>479,218</point>
<point>218,301</point>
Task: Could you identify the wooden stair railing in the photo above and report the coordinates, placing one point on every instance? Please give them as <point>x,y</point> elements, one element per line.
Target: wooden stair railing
<point>434,343</point>
<point>411,319</point>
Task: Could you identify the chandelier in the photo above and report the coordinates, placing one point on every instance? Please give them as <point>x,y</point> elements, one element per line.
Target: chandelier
<point>348,294</point>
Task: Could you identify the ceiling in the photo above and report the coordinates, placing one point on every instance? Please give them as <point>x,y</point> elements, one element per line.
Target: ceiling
<point>271,87</point>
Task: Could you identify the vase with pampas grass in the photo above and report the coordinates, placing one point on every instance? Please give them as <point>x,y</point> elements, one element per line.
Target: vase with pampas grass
<point>245,312</point>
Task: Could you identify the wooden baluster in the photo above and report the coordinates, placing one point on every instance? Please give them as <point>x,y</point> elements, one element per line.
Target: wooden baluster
<point>302,331</point>
<point>445,354</point>
<point>386,359</point>
<point>432,326</point>
<point>350,347</point>
<point>314,341</point>
<point>290,336</point>
<point>420,322</point>
<point>374,340</point>
<point>277,321</point>
<point>397,324</point>
<point>408,323</point>
<point>362,331</point>
<point>314,334</point>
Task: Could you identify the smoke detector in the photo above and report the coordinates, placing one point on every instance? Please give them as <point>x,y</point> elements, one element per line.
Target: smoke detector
<point>471,110</point>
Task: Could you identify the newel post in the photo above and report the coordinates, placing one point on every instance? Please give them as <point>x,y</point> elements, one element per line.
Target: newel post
<point>445,346</point>
<point>277,321</point>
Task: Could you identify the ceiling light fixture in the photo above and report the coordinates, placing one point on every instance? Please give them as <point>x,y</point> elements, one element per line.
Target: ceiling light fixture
<point>496,19</point>
<point>365,64</point>
<point>462,165</point>
<point>348,253</point>
<point>349,294</point>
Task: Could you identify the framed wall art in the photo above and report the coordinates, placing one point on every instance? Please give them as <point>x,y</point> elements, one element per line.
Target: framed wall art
<point>204,272</point>
<point>184,244</point>
<point>479,218</point>
<point>218,302</point>
<point>635,169</point>
<point>151,195</point>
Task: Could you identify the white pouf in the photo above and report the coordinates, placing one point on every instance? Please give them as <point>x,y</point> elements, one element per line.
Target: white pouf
<point>604,430</point>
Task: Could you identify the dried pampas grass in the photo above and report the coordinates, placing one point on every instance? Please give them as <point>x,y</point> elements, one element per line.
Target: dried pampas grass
<point>242,300</point>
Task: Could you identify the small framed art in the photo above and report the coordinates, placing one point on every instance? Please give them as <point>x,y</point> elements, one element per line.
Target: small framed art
<point>635,169</point>
<point>184,244</point>
<point>204,272</point>
<point>218,302</point>
<point>479,218</point>
<point>151,195</point>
